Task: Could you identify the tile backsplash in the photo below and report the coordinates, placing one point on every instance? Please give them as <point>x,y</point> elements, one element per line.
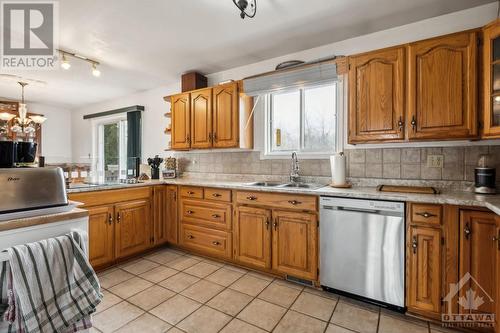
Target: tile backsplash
<point>381,163</point>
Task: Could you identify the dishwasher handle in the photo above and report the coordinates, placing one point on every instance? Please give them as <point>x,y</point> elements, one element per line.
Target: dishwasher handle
<point>360,210</point>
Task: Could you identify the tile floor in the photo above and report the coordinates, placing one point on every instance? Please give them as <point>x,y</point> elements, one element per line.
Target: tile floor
<point>173,291</point>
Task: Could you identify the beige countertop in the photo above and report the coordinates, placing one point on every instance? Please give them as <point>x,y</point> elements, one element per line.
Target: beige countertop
<point>491,202</point>
<point>75,213</point>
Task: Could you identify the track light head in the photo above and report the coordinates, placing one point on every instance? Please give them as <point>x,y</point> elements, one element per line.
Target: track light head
<point>96,72</point>
<point>65,63</point>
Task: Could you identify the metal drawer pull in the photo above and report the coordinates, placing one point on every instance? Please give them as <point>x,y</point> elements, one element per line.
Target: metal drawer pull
<point>267,224</point>
<point>497,239</point>
<point>251,198</point>
<point>110,219</point>
<point>414,244</point>
<point>216,195</point>
<point>190,192</point>
<point>275,224</point>
<point>190,236</point>
<point>216,243</point>
<point>426,214</point>
<point>294,202</point>
<point>215,216</point>
<point>189,212</point>
<point>467,231</point>
<point>118,218</point>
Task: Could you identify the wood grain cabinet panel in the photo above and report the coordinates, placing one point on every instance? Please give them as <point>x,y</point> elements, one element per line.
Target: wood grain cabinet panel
<point>479,252</point>
<point>181,121</point>
<point>295,241</point>
<point>172,230</point>
<point>425,269</point>
<point>101,235</point>
<point>208,214</point>
<point>201,118</point>
<point>442,87</point>
<point>376,105</point>
<point>206,241</point>
<point>160,214</point>
<point>132,229</point>
<point>225,116</point>
<point>252,237</point>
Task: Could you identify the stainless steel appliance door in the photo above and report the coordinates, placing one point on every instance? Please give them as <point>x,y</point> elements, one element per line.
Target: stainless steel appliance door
<point>363,253</point>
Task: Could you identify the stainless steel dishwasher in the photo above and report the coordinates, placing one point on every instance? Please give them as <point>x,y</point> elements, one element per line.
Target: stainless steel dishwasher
<point>362,249</point>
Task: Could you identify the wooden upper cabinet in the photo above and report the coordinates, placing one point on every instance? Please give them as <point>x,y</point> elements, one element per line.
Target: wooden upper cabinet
<point>491,80</point>
<point>181,123</point>
<point>201,118</point>
<point>132,227</point>
<point>225,116</point>
<point>101,235</point>
<point>442,87</point>
<point>172,232</point>
<point>424,270</point>
<point>252,237</point>
<point>376,98</point>
<point>479,252</point>
<point>295,242</point>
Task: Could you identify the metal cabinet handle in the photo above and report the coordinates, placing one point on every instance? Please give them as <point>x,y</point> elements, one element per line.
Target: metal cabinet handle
<point>497,239</point>
<point>189,212</point>
<point>251,198</point>
<point>400,124</point>
<point>188,139</point>
<point>190,236</point>
<point>426,214</point>
<point>210,138</point>
<point>118,218</point>
<point>190,192</point>
<point>216,243</point>
<point>215,216</point>
<point>294,202</point>
<point>110,219</point>
<point>414,244</point>
<point>216,195</point>
<point>267,224</point>
<point>215,137</point>
<point>467,231</point>
<point>275,224</point>
<point>413,123</point>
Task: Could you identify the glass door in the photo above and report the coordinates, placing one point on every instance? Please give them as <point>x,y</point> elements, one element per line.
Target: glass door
<point>112,151</point>
<point>491,80</point>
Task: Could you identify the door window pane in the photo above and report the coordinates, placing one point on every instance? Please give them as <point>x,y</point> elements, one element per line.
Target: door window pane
<point>496,49</point>
<point>285,119</point>
<point>319,118</point>
<point>496,78</point>
<point>496,111</point>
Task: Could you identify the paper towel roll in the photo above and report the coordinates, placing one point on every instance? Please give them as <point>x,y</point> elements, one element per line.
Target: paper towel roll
<point>337,163</point>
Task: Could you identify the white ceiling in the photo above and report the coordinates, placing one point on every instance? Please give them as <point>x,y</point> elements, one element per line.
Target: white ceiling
<point>147,44</point>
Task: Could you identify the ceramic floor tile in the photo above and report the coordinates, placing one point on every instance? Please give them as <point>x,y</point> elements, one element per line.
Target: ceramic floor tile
<point>145,323</point>
<point>230,302</point>
<point>262,314</point>
<point>130,287</point>
<point>163,257</point>
<point>201,269</point>
<point>337,329</point>
<point>315,306</point>
<point>113,278</point>
<point>249,285</point>
<point>179,282</point>
<point>204,320</point>
<point>279,295</point>
<point>360,304</point>
<point>175,330</point>
<point>355,318</point>
<point>151,297</point>
<point>239,326</point>
<point>139,266</point>
<point>175,309</point>
<point>213,262</point>
<point>182,263</point>
<point>116,316</point>
<point>294,322</point>
<point>321,293</point>
<point>288,284</point>
<point>108,301</point>
<point>393,325</point>
<point>261,276</point>
<point>202,291</point>
<point>236,269</point>
<point>158,274</point>
<point>224,276</point>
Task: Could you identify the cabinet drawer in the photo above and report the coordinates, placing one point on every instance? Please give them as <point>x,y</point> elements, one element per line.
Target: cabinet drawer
<point>212,215</point>
<point>192,192</point>
<point>278,200</point>
<point>207,241</point>
<point>426,213</point>
<point>218,194</point>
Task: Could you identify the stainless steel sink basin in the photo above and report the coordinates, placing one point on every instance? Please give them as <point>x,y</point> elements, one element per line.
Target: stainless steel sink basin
<point>302,185</point>
<point>265,184</point>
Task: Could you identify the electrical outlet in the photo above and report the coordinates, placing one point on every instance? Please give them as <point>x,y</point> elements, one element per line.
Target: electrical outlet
<point>435,161</point>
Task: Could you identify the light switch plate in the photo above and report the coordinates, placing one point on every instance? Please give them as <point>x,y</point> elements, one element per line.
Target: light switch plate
<point>435,161</point>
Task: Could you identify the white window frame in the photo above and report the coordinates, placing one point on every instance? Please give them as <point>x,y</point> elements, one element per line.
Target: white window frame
<point>339,126</point>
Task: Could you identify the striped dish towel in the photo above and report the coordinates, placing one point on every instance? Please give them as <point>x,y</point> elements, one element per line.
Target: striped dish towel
<point>48,286</point>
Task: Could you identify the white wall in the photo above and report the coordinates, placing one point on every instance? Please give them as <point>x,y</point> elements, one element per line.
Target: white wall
<point>155,141</point>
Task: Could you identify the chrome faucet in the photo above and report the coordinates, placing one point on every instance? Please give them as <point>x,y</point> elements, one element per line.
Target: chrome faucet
<point>294,173</point>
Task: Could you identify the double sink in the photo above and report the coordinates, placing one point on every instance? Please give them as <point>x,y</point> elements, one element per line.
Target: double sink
<point>311,186</point>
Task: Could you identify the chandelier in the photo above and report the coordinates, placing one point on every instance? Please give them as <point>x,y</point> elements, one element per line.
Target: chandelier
<point>25,125</point>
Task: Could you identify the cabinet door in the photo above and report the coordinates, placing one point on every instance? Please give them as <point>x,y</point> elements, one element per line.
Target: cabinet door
<point>295,237</point>
<point>376,98</point>
<point>442,87</point>
<point>160,214</point>
<point>424,270</point>
<point>101,233</point>
<point>132,234</point>
<point>226,120</point>
<point>181,124</point>
<point>201,118</point>
<point>491,80</point>
<point>478,257</point>
<point>252,237</point>
<point>172,223</point>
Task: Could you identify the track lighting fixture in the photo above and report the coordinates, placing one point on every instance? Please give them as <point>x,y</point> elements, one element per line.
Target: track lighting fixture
<point>248,8</point>
<point>66,65</point>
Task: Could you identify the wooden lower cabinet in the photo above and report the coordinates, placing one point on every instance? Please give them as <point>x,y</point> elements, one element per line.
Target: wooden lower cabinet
<point>172,224</point>
<point>165,214</point>
<point>252,237</point>
<point>101,235</point>
<point>132,230</point>
<point>211,242</point>
<point>424,271</point>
